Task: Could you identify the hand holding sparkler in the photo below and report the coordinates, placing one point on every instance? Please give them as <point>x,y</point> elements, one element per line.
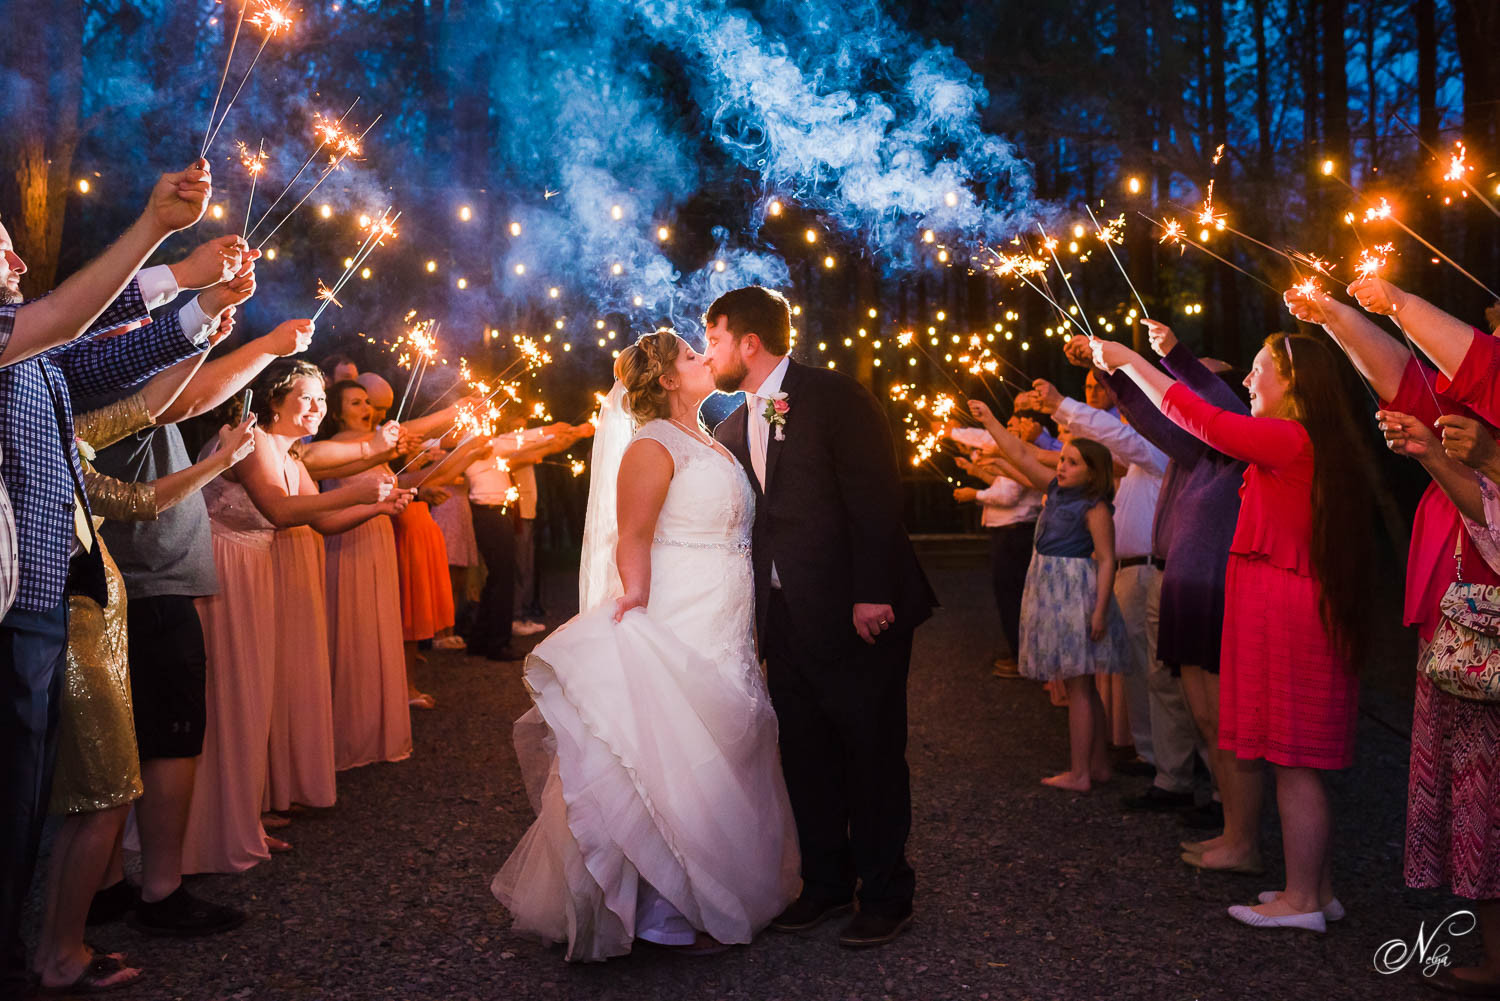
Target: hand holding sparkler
<point>387,437</point>
<point>1044,396</point>
<point>373,490</point>
<point>1309,304</point>
<point>236,442</point>
<point>1406,435</point>
<point>1470,442</point>
<point>224,295</point>
<point>1112,355</point>
<point>211,262</point>
<point>290,337</point>
<point>1079,351</point>
<point>1376,295</point>
<point>1161,337</point>
<point>178,200</point>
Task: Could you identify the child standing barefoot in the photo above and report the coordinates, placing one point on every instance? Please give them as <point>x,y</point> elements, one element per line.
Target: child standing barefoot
<point>1071,628</point>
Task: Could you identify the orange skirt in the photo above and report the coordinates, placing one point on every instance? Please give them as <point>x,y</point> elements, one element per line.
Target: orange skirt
<point>422,561</point>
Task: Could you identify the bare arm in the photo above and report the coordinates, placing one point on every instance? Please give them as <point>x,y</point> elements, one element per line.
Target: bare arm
<point>645,475</point>
<point>219,379</point>
<point>1378,356</point>
<point>260,473</point>
<point>1013,449</point>
<point>1102,527</point>
<point>1443,338</point>
<point>1408,436</point>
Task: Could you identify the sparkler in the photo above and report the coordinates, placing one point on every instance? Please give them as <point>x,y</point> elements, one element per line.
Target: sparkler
<point>1110,235</point>
<point>1051,246</point>
<point>255,163</point>
<point>1172,233</point>
<point>330,133</point>
<point>424,343</point>
<point>380,230</point>
<point>347,147</point>
<point>1459,168</point>
<point>272,20</point>
<point>1372,261</point>
<point>1382,210</point>
<point>228,58</point>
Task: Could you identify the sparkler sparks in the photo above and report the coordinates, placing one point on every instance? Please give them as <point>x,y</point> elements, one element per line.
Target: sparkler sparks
<point>1371,262</point>
<point>1458,169</point>
<point>326,294</point>
<point>1381,210</point>
<point>1172,234</point>
<point>1308,288</point>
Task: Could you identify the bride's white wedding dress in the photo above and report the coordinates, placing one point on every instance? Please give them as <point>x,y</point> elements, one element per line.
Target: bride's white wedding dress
<point>650,755</point>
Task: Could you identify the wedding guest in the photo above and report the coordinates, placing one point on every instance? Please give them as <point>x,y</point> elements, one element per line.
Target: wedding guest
<point>98,769</point>
<point>1071,627</point>
<point>41,467</point>
<point>1143,704</point>
<point>244,639</point>
<point>301,752</point>
<point>1293,628</point>
<point>167,564</point>
<point>1454,785</point>
<point>371,693</point>
<point>1195,517</point>
<point>339,368</point>
<point>456,522</point>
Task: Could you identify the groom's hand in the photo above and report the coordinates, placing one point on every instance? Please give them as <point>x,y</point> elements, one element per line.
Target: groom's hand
<point>872,620</point>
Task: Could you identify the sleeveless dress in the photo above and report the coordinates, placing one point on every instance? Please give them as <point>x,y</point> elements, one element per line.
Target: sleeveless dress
<point>371,720</point>
<point>650,755</point>
<point>426,588</point>
<point>239,631</point>
<point>301,747</point>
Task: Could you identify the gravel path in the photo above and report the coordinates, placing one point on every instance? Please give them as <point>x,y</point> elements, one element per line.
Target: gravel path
<point>1024,892</point>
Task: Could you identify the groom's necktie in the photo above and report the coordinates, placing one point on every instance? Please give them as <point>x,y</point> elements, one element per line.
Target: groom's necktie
<point>758,435</point>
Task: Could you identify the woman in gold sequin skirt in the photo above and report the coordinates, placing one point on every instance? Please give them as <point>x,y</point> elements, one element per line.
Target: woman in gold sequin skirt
<point>98,769</point>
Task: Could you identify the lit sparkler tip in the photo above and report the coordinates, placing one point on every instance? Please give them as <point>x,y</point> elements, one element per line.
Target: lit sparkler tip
<point>325,293</point>
<point>1308,288</point>
<point>1171,232</point>
<point>1457,168</point>
<point>272,18</point>
<point>1381,211</point>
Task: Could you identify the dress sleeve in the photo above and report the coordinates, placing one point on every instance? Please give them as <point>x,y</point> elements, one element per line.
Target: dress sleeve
<point>1185,367</point>
<point>1265,441</point>
<point>104,426</point>
<point>118,500</point>
<point>1477,382</point>
<point>1486,535</point>
<point>1152,424</point>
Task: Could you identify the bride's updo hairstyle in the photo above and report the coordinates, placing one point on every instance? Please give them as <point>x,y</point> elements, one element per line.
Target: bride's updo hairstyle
<point>640,368</point>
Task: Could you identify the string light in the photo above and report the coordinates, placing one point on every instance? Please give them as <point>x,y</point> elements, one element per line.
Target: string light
<point>83,185</point>
<point>515,229</point>
<point>431,267</point>
<point>325,210</point>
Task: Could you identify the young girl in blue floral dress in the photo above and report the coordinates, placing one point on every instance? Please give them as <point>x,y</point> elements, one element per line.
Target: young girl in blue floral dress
<point>1071,627</point>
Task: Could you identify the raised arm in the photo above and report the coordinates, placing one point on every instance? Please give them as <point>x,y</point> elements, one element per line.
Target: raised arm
<point>1444,338</point>
<point>1012,449</point>
<point>177,201</point>
<point>1379,357</point>
<point>646,471</point>
<point>345,518</point>
<point>1184,366</point>
<point>1406,435</point>
<point>338,458</point>
<point>1124,441</point>
<point>220,378</point>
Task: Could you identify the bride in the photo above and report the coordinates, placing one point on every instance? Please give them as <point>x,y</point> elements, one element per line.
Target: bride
<point>650,754</point>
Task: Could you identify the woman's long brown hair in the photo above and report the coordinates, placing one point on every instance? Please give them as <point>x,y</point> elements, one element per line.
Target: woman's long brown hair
<point>1343,496</point>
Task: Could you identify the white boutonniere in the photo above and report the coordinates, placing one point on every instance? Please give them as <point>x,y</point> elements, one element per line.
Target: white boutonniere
<point>85,450</point>
<point>775,413</point>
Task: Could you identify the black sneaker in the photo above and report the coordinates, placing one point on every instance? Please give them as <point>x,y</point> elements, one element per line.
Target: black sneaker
<point>806,913</point>
<point>112,903</point>
<point>182,915</point>
<point>872,928</point>
<point>1157,799</point>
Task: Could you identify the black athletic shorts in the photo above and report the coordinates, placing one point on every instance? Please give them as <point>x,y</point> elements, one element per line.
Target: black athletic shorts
<point>167,675</point>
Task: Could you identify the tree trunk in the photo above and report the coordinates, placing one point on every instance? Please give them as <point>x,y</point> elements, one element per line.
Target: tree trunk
<point>46,60</point>
<point>1427,113</point>
<point>1262,93</point>
<point>1477,22</point>
<point>1372,133</point>
<point>1335,83</point>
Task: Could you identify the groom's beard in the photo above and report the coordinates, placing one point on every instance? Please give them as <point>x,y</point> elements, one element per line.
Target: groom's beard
<point>731,380</point>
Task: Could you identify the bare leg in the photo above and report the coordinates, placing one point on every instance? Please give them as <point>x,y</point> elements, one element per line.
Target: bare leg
<point>80,857</point>
<point>413,694</point>
<point>1306,827</point>
<point>1241,786</point>
<point>162,816</point>
<point>1085,719</point>
<point>1201,689</point>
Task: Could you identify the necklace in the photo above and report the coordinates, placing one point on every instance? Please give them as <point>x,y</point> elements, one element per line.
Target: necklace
<point>695,432</point>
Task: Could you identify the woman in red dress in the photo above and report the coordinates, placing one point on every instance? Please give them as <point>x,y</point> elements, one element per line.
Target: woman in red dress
<point>1292,618</point>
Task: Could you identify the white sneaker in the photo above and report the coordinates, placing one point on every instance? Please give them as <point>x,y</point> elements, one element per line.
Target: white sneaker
<point>1334,911</point>
<point>520,628</point>
<point>1311,921</point>
<point>449,643</point>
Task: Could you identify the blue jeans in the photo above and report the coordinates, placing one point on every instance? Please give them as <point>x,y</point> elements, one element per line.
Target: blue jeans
<point>33,651</point>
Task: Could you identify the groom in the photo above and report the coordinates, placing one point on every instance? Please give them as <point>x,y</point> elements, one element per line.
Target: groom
<point>838,594</point>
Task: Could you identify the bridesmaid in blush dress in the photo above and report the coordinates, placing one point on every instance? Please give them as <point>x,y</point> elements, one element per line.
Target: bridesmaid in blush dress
<point>301,753</point>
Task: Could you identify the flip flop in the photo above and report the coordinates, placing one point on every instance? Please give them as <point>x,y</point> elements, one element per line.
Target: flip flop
<point>104,973</point>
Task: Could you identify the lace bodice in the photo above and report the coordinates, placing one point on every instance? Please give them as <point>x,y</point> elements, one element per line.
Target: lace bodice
<point>710,502</point>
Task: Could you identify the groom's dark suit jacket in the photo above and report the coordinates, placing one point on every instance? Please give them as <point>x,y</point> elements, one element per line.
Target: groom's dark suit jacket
<point>830,513</point>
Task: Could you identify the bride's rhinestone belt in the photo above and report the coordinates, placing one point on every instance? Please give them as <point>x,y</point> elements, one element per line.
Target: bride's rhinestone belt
<point>742,548</point>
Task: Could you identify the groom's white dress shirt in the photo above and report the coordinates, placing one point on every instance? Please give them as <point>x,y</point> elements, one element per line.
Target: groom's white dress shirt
<point>759,429</point>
